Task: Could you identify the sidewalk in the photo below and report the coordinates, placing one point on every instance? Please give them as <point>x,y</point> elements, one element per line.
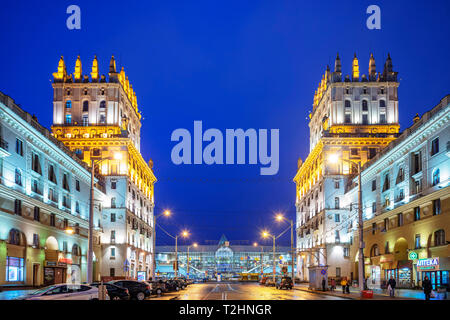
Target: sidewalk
<point>378,294</point>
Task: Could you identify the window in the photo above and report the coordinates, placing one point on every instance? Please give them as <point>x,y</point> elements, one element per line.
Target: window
<point>37,214</point>
<point>372,152</point>
<point>348,117</point>
<point>374,185</point>
<point>113,236</point>
<point>113,217</point>
<point>77,185</point>
<point>336,184</point>
<point>386,184</point>
<point>14,269</point>
<point>338,272</point>
<point>51,174</point>
<point>112,272</point>
<point>382,118</point>
<point>400,219</point>
<point>113,184</point>
<point>374,207</point>
<point>18,207</point>
<point>85,106</point>
<point>365,119</point>
<point>19,147</point>
<point>435,146</point>
<point>66,182</point>
<point>400,176</point>
<point>417,185</point>
<point>436,177</point>
<point>65,246</point>
<point>348,104</point>
<point>417,241</point>
<point>387,201</point>
<point>68,104</point>
<point>386,248</point>
<point>68,118</point>
<point>374,251</point>
<point>113,202</point>
<point>382,104</point>
<point>417,162</point>
<point>337,217</point>
<point>36,164</point>
<point>77,207</point>
<point>102,118</point>
<point>416,213</point>
<point>354,151</point>
<point>439,238</point>
<point>374,228</point>
<point>18,177</point>
<point>66,223</point>
<point>436,207</point>
<point>336,236</point>
<point>113,252</point>
<point>386,224</point>
<point>365,106</point>
<point>52,219</point>
<point>336,202</point>
<point>346,252</point>
<point>102,104</point>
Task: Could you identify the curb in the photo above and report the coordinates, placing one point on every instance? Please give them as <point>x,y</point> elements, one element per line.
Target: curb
<point>323,293</point>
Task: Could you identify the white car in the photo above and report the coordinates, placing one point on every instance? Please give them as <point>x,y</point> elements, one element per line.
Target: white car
<point>64,291</point>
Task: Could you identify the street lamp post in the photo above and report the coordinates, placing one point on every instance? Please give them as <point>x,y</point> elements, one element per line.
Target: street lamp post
<point>255,244</point>
<point>165,213</point>
<point>334,159</point>
<point>193,245</point>
<point>291,222</point>
<point>266,234</point>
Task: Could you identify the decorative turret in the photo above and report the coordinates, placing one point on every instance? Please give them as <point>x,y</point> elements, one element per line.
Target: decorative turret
<point>78,71</point>
<point>372,68</point>
<point>94,73</point>
<point>62,72</point>
<point>388,72</point>
<point>337,64</point>
<point>112,65</point>
<point>355,69</point>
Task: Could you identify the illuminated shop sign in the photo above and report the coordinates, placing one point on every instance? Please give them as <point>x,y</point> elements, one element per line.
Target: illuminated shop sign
<point>412,255</point>
<point>428,264</point>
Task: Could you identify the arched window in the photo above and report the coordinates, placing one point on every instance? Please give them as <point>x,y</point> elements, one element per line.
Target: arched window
<point>374,251</point>
<point>436,177</point>
<point>382,104</point>
<point>439,238</point>
<point>336,203</point>
<point>15,237</point>
<point>76,251</point>
<point>18,177</point>
<point>365,106</point>
<point>85,106</point>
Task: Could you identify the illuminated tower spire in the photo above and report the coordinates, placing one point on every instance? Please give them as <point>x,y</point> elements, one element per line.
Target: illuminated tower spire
<point>77,73</point>
<point>355,69</point>
<point>372,68</point>
<point>61,74</point>
<point>337,64</point>
<point>112,65</point>
<point>94,73</point>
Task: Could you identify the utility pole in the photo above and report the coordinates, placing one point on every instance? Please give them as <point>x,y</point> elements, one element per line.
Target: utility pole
<point>274,263</point>
<point>292,251</point>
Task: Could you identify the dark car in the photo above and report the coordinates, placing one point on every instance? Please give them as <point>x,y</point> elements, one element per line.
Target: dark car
<point>157,286</point>
<point>182,282</point>
<point>172,285</point>
<point>270,283</point>
<point>138,289</point>
<point>284,283</point>
<point>114,292</point>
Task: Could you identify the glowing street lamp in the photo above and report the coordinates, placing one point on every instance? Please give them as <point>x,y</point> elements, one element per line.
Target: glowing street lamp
<point>266,234</point>
<point>280,217</point>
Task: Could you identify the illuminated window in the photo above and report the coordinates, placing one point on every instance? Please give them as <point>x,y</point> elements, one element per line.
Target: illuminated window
<point>68,118</point>
<point>400,219</point>
<point>18,177</point>
<point>85,120</point>
<point>14,269</point>
<point>439,238</point>
<point>416,213</point>
<point>68,104</point>
<point>436,207</point>
<point>436,177</point>
<point>19,147</point>
<point>435,146</point>
<point>417,241</point>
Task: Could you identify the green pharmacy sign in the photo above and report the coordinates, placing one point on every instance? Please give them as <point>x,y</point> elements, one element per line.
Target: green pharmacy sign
<point>412,255</point>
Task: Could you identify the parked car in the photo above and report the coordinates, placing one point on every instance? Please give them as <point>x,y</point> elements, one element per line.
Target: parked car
<point>64,291</point>
<point>284,283</point>
<point>172,285</point>
<point>114,292</point>
<point>157,286</point>
<point>182,282</point>
<point>270,283</point>
<point>137,289</point>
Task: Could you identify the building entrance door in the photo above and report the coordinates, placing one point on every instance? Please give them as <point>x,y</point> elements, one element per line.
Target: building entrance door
<point>35,275</point>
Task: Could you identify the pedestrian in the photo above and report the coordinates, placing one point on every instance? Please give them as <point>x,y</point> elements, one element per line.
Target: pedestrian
<point>343,284</point>
<point>333,284</point>
<point>324,282</point>
<point>391,286</point>
<point>347,287</point>
<point>426,285</point>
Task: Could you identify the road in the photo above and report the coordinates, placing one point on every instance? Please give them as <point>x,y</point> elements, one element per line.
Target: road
<point>240,291</point>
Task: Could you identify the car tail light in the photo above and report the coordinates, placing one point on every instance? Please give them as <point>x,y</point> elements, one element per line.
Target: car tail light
<point>148,287</point>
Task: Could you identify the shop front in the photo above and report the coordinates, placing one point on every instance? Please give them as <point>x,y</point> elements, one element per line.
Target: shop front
<point>402,274</point>
<point>54,272</point>
<point>437,271</point>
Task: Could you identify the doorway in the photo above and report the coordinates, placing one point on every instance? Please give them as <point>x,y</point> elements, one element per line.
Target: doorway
<point>35,274</point>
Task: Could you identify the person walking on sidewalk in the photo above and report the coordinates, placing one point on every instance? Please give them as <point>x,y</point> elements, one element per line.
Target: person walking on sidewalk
<point>343,284</point>
<point>426,284</point>
<point>347,287</point>
<point>391,286</point>
<point>333,284</point>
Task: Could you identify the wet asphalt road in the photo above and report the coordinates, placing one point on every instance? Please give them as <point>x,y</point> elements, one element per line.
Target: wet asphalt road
<point>239,291</point>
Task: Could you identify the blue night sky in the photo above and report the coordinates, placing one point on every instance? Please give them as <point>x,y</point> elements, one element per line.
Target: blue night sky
<point>231,64</point>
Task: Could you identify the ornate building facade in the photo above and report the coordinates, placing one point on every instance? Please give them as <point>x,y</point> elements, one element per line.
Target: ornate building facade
<point>98,119</point>
<point>353,118</point>
<point>44,205</point>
